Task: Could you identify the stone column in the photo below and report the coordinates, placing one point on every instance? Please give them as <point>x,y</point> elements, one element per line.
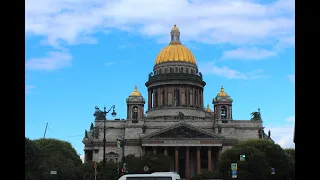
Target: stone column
<point>153,98</point>
<point>149,99</point>
<point>165,151</point>
<point>172,94</point>
<point>187,94</point>
<point>165,96</point>
<point>85,156</point>
<point>177,159</point>
<point>180,96</point>
<point>198,161</point>
<point>159,97</point>
<point>154,150</point>
<point>187,163</point>
<point>209,159</point>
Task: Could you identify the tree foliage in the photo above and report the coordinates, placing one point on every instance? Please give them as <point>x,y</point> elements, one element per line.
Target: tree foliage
<point>261,156</point>
<point>155,163</point>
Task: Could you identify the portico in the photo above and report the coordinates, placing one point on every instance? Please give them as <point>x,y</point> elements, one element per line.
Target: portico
<point>191,149</point>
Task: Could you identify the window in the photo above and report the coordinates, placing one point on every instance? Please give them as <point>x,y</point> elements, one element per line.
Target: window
<point>135,112</point>
<point>195,97</point>
<point>171,69</point>
<point>165,70</point>
<point>191,71</point>
<point>162,96</point>
<point>176,69</point>
<point>187,70</point>
<point>223,112</point>
<point>160,71</point>
<point>156,99</point>
<point>176,97</point>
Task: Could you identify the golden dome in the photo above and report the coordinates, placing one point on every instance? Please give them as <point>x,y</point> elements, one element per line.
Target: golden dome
<point>175,51</point>
<point>208,109</point>
<point>135,92</point>
<point>175,28</point>
<point>222,93</point>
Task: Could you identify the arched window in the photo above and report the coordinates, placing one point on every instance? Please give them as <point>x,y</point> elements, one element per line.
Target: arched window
<point>187,70</point>
<point>191,71</point>
<point>156,99</point>
<point>176,69</point>
<point>223,112</point>
<point>176,97</point>
<point>171,69</point>
<point>135,111</point>
<point>165,70</point>
<point>160,71</point>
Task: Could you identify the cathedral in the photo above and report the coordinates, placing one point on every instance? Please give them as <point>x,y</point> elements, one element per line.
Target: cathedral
<point>176,123</point>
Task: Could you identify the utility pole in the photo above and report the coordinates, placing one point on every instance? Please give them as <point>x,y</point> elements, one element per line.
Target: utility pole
<point>45,131</point>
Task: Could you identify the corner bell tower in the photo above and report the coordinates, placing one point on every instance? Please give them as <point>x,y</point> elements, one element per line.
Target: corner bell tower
<point>135,106</point>
<point>222,105</point>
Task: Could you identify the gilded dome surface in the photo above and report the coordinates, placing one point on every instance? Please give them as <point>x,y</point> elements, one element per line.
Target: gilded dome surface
<point>222,93</point>
<point>175,51</point>
<point>208,109</point>
<point>135,92</point>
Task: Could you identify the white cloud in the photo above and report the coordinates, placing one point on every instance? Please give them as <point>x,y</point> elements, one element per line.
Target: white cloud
<point>292,78</point>
<point>226,72</point>
<point>107,64</point>
<point>248,54</point>
<point>207,21</point>
<point>283,134</point>
<point>291,119</point>
<point>53,61</point>
<point>82,158</point>
<point>29,88</point>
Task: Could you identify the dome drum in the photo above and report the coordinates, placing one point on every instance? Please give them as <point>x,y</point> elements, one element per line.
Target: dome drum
<point>175,77</point>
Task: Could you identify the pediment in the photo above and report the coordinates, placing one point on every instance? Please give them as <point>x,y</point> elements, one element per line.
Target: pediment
<point>183,131</point>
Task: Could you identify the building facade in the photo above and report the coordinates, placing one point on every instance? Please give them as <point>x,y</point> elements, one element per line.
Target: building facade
<point>176,123</point>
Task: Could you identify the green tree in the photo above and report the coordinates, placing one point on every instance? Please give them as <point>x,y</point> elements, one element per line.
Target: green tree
<point>31,153</point>
<point>292,156</point>
<point>254,167</point>
<point>262,155</point>
<point>155,163</point>
<point>56,155</point>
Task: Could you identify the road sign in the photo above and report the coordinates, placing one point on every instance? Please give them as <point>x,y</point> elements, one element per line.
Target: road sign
<point>118,145</point>
<point>95,164</point>
<point>234,172</point>
<point>234,176</point>
<point>53,172</point>
<point>242,157</point>
<point>273,171</point>
<point>234,166</point>
<point>146,168</point>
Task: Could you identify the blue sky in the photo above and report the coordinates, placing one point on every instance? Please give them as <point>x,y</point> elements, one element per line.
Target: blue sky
<point>86,53</point>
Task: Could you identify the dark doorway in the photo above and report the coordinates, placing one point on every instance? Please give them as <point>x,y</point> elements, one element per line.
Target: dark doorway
<point>182,168</point>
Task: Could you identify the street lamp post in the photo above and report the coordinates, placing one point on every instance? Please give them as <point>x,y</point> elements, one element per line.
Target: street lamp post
<point>104,129</point>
